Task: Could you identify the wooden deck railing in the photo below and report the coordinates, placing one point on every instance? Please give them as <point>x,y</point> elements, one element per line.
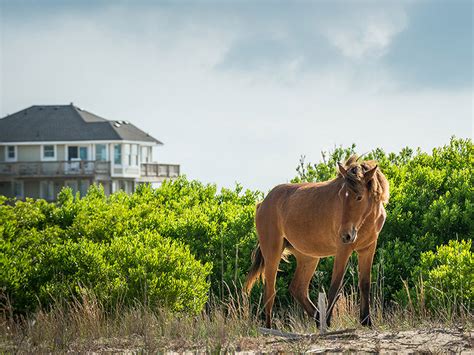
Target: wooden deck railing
<point>81,167</point>
<point>55,168</point>
<point>159,170</point>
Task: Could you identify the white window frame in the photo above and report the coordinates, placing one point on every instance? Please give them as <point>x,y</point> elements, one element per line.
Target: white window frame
<point>15,158</point>
<point>106,151</point>
<point>43,158</point>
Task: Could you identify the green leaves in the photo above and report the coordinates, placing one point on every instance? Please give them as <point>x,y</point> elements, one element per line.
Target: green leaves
<point>448,275</point>
<point>431,203</point>
<point>49,251</point>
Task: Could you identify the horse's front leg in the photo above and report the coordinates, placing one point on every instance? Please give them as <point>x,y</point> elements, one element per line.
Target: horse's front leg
<point>366,257</point>
<point>340,262</point>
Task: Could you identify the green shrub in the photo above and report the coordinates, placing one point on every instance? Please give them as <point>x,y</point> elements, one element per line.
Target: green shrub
<point>218,227</point>
<point>157,271</point>
<point>448,275</point>
<point>49,252</point>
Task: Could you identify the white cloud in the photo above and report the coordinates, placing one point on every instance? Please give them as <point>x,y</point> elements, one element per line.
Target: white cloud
<point>363,35</point>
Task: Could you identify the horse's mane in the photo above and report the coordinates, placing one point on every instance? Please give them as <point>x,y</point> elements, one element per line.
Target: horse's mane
<point>378,186</point>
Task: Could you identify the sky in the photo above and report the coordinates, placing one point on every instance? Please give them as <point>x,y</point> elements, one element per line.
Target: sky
<point>239,90</point>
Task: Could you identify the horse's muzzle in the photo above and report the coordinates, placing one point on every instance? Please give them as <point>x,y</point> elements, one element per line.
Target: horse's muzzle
<point>348,238</point>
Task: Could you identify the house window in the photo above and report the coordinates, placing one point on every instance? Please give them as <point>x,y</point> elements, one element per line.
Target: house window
<point>18,189</point>
<point>126,153</point>
<point>117,154</point>
<point>47,190</point>
<point>83,154</point>
<point>100,152</point>
<point>123,185</point>
<point>133,155</point>
<point>150,154</point>
<point>77,153</point>
<point>49,152</point>
<point>126,186</point>
<point>144,155</point>
<point>72,153</point>
<point>11,153</point>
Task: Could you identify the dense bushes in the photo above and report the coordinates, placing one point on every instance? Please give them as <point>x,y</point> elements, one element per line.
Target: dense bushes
<point>49,252</point>
<point>128,246</point>
<point>447,275</point>
<point>218,227</point>
<point>144,246</point>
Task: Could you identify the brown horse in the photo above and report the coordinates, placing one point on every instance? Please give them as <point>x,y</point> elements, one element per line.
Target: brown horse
<point>316,220</point>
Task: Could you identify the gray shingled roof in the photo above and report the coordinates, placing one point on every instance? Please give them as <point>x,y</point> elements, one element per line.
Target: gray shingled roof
<point>66,123</point>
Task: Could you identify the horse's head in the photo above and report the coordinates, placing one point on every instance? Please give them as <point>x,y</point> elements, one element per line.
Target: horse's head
<point>355,195</point>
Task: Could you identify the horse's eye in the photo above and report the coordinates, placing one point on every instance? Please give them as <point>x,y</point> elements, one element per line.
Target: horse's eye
<point>359,197</point>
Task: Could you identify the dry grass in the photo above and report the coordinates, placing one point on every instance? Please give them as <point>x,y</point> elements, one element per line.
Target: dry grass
<point>84,325</point>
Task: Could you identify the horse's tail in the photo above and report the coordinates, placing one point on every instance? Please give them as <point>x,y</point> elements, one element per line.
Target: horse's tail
<point>256,270</point>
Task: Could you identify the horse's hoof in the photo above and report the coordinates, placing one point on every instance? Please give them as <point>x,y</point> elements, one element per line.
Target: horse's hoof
<point>316,319</point>
<point>366,321</point>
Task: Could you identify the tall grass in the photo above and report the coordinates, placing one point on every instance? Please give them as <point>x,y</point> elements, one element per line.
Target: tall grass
<point>84,324</point>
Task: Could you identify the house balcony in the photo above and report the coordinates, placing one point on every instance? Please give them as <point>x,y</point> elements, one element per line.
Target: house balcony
<point>86,169</point>
<point>154,170</point>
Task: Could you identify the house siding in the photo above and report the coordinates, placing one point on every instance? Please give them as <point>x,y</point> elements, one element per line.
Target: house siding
<point>29,153</point>
<point>61,152</point>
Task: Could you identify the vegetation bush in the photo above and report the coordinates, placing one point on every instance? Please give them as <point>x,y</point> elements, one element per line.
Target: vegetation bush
<point>218,227</point>
<point>168,245</point>
<point>215,228</point>
<point>447,275</point>
<point>50,252</point>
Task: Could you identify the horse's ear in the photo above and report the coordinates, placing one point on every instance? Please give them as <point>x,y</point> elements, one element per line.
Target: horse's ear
<point>368,175</point>
<point>342,170</point>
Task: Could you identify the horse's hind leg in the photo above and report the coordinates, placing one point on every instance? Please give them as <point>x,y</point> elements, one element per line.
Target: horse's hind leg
<point>272,248</point>
<point>271,267</point>
<point>305,267</point>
